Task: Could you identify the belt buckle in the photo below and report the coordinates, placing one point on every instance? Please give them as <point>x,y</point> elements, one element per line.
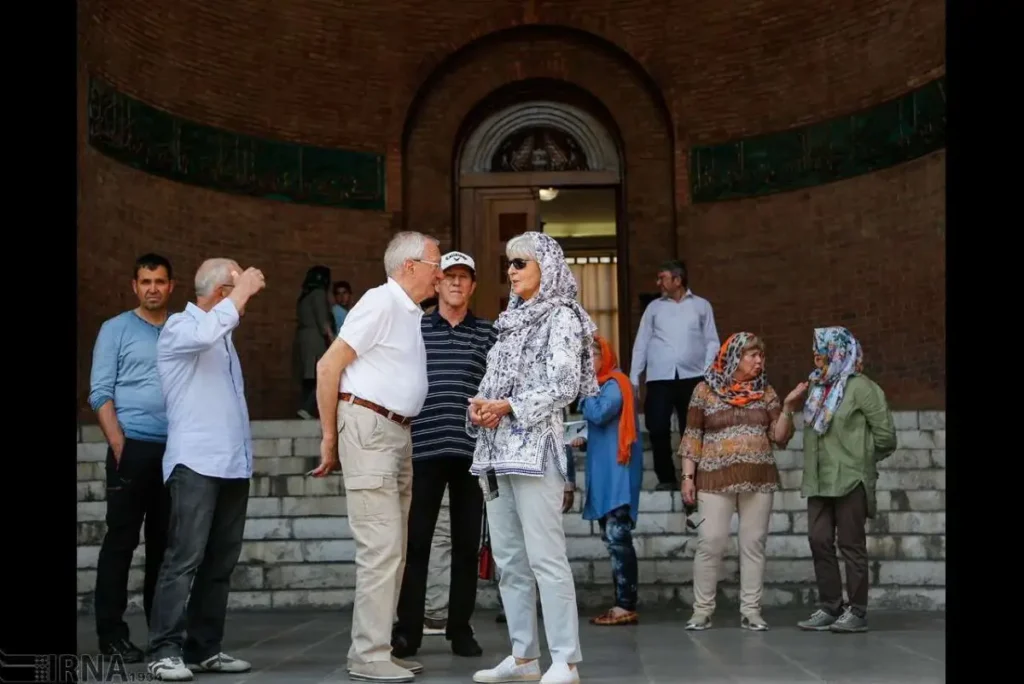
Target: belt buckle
<point>391,416</point>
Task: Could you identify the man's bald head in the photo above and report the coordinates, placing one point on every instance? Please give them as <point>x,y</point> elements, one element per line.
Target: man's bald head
<point>214,273</point>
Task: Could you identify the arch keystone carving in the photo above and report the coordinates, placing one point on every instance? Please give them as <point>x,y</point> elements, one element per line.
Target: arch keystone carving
<point>530,135</point>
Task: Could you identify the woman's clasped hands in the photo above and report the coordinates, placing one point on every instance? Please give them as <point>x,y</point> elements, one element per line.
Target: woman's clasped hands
<point>487,413</point>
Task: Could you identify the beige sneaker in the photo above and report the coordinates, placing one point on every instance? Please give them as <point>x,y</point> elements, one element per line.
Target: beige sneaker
<point>410,665</point>
<point>379,671</point>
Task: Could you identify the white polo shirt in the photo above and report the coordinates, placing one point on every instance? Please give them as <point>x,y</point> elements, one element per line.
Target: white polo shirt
<point>390,369</point>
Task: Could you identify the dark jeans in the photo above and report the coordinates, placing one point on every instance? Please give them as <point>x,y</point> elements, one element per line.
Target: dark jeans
<point>465,502</point>
<point>135,492</point>
<point>205,540</point>
<point>617,532</point>
<point>309,397</point>
<point>844,516</point>
<point>663,398</point>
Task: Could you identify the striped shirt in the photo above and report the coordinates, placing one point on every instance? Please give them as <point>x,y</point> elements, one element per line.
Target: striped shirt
<point>456,361</point>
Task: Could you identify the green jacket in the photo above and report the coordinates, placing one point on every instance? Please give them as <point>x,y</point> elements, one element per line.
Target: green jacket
<point>861,434</point>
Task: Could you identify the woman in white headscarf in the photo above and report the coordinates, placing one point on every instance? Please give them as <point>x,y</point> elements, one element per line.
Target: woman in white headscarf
<point>542,361</point>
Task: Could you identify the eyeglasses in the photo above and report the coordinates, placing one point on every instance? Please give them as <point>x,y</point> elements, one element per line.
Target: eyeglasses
<point>518,264</point>
<point>690,525</point>
<point>435,264</point>
<point>688,510</point>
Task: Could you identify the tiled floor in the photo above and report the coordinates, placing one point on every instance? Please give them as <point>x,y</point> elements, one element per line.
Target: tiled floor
<point>308,647</point>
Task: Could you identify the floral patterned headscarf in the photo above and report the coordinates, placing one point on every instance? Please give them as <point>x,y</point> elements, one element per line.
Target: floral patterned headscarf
<point>531,318</point>
<point>843,359</point>
<point>719,374</point>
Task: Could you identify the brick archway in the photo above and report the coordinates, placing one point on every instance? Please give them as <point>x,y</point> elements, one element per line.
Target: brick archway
<point>444,114</point>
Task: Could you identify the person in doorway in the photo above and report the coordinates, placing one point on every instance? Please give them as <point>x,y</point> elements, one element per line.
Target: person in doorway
<point>541,362</point>
<point>207,468</point>
<point>614,473</point>
<point>729,467</point>
<point>342,296</point>
<point>848,429</point>
<point>676,341</point>
<point>129,404</point>
<point>371,383</point>
<point>457,344</point>
<point>314,331</point>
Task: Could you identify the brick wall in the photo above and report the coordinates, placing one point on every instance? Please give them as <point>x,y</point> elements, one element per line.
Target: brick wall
<point>298,550</point>
<point>355,75</point>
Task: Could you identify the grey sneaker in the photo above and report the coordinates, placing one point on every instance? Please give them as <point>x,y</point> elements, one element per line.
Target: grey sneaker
<point>819,621</point>
<point>170,670</point>
<point>379,671</point>
<point>221,662</point>
<point>849,623</point>
<point>434,627</point>
<point>698,623</point>
<point>755,623</point>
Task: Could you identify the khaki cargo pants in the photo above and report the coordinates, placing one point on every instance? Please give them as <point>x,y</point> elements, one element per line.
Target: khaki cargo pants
<point>376,462</point>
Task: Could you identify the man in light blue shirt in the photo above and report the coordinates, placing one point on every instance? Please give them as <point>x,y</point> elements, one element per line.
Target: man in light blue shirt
<point>342,294</point>
<point>126,396</point>
<point>676,341</point>
<point>207,467</point>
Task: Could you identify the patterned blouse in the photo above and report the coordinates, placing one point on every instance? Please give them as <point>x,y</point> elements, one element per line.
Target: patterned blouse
<point>732,446</point>
<point>549,381</point>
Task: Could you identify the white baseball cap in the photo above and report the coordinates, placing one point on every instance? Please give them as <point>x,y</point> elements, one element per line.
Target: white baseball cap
<point>457,259</point>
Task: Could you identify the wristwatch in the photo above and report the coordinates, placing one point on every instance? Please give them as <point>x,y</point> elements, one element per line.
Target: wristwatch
<point>687,476</point>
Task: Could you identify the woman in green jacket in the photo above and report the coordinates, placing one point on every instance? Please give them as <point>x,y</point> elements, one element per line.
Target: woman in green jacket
<point>848,429</point>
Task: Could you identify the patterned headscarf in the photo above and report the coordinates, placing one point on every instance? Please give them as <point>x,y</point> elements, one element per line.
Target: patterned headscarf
<point>843,358</point>
<point>719,374</point>
<point>523,319</point>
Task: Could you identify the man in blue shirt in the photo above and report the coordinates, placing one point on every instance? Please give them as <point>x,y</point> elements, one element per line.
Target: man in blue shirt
<point>342,294</point>
<point>207,467</point>
<point>457,343</point>
<point>126,396</point>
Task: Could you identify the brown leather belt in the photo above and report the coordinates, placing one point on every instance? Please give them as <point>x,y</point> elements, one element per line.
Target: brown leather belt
<point>390,415</point>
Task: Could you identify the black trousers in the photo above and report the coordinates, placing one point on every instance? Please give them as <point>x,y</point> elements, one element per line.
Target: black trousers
<point>204,543</point>
<point>465,502</point>
<point>135,494</point>
<point>663,398</point>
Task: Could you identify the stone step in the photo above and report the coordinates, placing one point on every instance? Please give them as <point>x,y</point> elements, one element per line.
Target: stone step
<point>589,597</point>
<point>907,482</point>
<point>905,421</point>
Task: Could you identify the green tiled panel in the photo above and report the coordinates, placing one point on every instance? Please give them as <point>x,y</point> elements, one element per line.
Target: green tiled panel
<point>886,135</point>
<point>159,143</point>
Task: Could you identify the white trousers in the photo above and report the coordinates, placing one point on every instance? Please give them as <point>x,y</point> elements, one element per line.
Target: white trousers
<point>528,542</point>
<point>439,573</point>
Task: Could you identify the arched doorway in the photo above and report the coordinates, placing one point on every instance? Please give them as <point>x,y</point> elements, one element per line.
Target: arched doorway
<point>551,166</point>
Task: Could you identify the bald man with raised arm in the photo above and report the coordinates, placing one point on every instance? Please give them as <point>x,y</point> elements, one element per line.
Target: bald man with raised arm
<point>207,466</point>
<point>370,384</point>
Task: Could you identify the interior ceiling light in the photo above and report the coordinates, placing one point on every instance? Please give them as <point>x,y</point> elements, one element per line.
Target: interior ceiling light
<point>547,194</point>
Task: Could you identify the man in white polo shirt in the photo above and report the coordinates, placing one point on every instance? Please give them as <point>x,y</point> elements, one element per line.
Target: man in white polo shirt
<point>370,384</point>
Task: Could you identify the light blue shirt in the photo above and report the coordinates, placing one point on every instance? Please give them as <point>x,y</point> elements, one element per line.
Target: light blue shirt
<point>124,370</point>
<point>208,419</point>
<point>675,339</point>
<point>339,316</point>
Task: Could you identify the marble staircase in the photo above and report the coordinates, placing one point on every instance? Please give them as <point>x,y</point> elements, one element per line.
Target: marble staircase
<point>298,550</point>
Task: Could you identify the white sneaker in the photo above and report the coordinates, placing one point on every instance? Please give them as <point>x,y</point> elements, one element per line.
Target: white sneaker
<point>508,671</point>
<point>561,673</point>
<point>222,662</point>
<point>170,670</point>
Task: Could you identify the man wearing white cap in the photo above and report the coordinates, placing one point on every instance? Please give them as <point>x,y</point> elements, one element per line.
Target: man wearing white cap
<point>457,343</point>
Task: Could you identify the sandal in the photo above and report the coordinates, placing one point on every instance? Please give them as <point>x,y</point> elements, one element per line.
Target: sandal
<point>610,619</point>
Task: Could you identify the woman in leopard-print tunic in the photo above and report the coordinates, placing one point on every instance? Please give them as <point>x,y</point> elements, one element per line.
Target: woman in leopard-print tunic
<point>728,466</point>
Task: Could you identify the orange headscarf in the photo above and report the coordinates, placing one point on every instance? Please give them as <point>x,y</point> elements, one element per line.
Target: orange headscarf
<point>627,419</point>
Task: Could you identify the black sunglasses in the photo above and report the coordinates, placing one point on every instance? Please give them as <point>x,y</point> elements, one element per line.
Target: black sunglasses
<point>518,264</point>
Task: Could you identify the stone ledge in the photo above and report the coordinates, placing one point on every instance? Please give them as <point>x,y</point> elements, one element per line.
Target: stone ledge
<point>588,598</point>
<point>310,429</point>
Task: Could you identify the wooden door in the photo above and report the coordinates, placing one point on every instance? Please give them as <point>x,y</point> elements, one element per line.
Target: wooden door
<point>490,217</point>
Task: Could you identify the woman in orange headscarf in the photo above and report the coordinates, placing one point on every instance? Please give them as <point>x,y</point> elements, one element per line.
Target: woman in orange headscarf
<point>614,473</point>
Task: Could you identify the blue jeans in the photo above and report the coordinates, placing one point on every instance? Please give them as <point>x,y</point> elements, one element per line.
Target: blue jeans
<point>617,532</point>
